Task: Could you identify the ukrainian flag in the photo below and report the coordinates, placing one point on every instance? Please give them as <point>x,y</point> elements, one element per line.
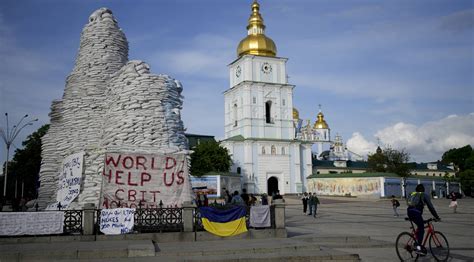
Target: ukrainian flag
<point>224,223</point>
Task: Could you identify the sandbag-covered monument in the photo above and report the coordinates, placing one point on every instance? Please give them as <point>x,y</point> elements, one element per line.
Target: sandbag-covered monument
<point>116,138</point>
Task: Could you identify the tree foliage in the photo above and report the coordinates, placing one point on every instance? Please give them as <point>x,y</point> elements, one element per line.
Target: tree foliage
<point>458,157</point>
<point>209,156</point>
<point>25,165</point>
<point>466,178</point>
<point>391,161</point>
<point>463,160</point>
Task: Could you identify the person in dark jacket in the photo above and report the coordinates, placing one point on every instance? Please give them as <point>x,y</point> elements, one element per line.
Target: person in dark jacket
<point>418,201</point>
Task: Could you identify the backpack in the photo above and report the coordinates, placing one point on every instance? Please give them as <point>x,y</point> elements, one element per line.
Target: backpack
<point>415,199</point>
<point>397,204</point>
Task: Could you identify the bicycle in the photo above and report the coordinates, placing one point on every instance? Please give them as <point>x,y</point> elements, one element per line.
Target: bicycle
<point>405,244</point>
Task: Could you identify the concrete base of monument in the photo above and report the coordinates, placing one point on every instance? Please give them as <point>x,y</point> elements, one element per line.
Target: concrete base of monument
<point>156,237</point>
<point>251,234</point>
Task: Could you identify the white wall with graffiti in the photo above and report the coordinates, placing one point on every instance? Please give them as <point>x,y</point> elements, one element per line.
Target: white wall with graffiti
<point>354,186</point>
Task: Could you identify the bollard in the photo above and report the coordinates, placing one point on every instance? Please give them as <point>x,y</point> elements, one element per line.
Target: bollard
<point>88,219</point>
<point>279,213</point>
<point>188,216</point>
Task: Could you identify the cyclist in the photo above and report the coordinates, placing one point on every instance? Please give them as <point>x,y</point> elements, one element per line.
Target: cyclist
<point>416,203</point>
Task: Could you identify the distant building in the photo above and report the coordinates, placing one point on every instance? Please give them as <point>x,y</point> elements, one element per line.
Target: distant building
<point>194,140</point>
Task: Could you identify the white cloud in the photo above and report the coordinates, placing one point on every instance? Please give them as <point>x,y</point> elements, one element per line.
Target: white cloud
<point>359,145</point>
<point>426,142</point>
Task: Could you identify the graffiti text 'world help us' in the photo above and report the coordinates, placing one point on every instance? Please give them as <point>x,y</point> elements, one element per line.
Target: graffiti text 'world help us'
<point>140,179</point>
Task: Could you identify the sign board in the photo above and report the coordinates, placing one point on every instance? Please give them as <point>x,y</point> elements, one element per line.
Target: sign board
<point>117,221</point>
<point>31,223</point>
<point>137,180</point>
<point>207,185</point>
<point>70,180</point>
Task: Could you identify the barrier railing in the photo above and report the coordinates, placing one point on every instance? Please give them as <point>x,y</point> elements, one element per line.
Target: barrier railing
<point>73,221</point>
<point>146,220</point>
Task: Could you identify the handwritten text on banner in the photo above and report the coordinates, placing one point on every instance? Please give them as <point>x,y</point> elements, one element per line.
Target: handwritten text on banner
<point>116,221</point>
<point>144,180</point>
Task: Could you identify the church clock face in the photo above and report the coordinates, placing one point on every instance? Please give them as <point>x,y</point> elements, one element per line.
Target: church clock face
<point>266,68</point>
<point>238,71</point>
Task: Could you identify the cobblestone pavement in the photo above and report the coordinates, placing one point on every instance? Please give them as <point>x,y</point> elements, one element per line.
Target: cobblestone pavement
<point>339,216</point>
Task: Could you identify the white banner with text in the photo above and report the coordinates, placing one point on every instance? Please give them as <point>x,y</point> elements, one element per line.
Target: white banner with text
<point>31,223</point>
<point>137,180</point>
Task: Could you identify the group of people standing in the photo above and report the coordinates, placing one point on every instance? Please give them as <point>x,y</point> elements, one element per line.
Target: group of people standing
<point>311,200</point>
<point>244,198</point>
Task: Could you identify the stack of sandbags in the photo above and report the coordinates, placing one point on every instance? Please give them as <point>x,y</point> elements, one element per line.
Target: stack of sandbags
<point>76,119</point>
<point>108,105</point>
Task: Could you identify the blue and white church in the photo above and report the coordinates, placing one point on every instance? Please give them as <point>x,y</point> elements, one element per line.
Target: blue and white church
<point>263,132</point>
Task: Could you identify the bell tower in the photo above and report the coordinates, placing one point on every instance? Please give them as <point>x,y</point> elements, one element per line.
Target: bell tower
<point>259,125</point>
<point>259,101</point>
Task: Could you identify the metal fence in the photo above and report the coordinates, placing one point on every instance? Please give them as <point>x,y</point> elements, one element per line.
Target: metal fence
<point>152,220</point>
<point>146,220</point>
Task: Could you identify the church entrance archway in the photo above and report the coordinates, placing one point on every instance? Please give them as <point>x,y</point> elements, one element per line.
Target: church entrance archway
<point>272,185</point>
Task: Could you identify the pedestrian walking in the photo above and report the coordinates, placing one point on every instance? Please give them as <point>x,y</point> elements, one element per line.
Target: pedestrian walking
<point>313,202</point>
<point>395,205</point>
<point>454,202</point>
<point>316,203</point>
<point>305,198</point>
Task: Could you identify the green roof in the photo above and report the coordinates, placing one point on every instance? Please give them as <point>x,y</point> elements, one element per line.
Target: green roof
<point>240,138</point>
<point>215,173</point>
<point>330,164</point>
<point>194,140</point>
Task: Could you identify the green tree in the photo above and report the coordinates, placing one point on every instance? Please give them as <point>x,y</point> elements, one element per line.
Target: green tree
<point>26,163</point>
<point>466,178</point>
<point>209,156</point>
<point>377,162</point>
<point>458,157</point>
<point>391,161</point>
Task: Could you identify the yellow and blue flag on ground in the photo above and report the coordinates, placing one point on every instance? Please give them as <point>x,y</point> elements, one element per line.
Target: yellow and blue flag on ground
<point>224,223</point>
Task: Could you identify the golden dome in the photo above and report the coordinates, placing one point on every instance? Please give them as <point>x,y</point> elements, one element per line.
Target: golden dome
<point>256,43</point>
<point>320,123</point>
<point>296,114</point>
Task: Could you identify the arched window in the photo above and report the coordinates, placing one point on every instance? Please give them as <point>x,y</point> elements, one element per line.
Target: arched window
<point>268,111</point>
<point>239,170</point>
<point>234,114</point>
<point>273,150</point>
<point>283,150</point>
<point>263,150</point>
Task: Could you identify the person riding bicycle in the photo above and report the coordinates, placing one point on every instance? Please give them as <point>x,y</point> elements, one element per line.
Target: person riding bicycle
<point>416,202</point>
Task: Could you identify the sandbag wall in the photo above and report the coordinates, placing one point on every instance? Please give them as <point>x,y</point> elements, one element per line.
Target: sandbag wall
<point>108,105</point>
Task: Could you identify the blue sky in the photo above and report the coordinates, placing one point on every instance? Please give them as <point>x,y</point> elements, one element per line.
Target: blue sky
<point>400,71</point>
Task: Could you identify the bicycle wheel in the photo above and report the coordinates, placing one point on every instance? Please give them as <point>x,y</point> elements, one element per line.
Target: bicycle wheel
<point>405,246</point>
<point>439,246</point>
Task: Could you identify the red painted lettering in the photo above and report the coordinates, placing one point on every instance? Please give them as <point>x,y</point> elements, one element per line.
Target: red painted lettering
<point>153,164</point>
<point>131,195</point>
<point>105,203</point>
<point>124,162</point>
<point>115,203</point>
<point>145,178</point>
<point>154,195</point>
<point>141,161</point>
<point>109,175</point>
<point>143,195</point>
<point>130,180</point>
<point>111,159</point>
<point>117,177</point>
<point>172,179</point>
<point>167,166</point>
<point>180,177</point>
<point>116,194</point>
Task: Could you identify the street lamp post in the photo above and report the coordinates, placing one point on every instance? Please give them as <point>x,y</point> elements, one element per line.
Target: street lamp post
<point>8,135</point>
